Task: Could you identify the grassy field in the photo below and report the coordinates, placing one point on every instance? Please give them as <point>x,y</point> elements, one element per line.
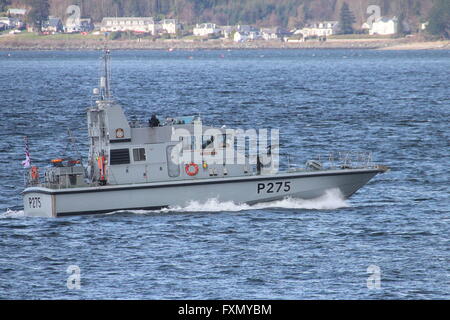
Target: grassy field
<point>34,41</point>
<point>78,36</point>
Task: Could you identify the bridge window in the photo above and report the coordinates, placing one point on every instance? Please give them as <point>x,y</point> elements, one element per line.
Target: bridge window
<point>139,154</point>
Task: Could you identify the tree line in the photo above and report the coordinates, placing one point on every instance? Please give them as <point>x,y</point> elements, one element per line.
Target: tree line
<point>3,4</point>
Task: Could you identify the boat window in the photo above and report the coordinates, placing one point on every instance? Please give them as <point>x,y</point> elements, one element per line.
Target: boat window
<point>207,142</point>
<point>192,142</point>
<point>188,143</point>
<point>120,156</point>
<point>139,154</point>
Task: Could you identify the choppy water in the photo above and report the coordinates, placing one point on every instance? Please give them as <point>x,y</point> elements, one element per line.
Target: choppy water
<point>394,104</point>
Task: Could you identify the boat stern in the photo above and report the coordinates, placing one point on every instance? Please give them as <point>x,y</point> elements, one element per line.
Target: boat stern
<point>37,203</point>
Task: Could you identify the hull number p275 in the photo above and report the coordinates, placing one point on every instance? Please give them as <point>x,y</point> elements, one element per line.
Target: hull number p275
<point>273,187</point>
<point>34,202</point>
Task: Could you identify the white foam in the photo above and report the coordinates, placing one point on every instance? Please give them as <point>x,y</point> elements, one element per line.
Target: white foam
<point>332,199</point>
<point>12,214</point>
<point>212,205</point>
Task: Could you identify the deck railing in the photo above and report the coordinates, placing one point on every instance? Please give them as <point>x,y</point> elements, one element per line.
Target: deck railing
<point>332,160</point>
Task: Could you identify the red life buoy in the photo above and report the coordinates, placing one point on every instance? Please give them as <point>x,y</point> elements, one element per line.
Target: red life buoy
<point>189,170</point>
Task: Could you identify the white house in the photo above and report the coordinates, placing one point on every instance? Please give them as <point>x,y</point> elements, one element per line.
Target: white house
<point>246,33</point>
<point>205,29</point>
<point>240,36</point>
<point>254,35</point>
<point>53,25</point>
<point>170,26</point>
<point>135,24</point>
<point>70,27</point>
<point>83,25</point>
<point>319,29</point>
<point>366,26</point>
<point>227,31</point>
<point>17,12</point>
<point>384,26</point>
<point>270,33</point>
<point>7,21</point>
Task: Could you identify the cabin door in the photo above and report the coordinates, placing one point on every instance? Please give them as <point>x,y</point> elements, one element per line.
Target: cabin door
<point>173,165</point>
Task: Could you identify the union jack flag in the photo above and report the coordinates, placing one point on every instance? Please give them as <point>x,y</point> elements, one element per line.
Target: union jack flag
<point>27,162</point>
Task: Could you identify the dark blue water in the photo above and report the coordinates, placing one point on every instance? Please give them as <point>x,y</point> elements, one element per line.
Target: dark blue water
<point>394,104</point>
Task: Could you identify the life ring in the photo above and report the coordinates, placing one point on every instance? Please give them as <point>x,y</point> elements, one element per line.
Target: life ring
<point>188,168</point>
<point>34,173</point>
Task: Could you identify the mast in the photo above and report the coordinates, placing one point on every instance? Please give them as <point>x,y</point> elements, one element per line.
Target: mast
<point>98,121</point>
<point>105,79</point>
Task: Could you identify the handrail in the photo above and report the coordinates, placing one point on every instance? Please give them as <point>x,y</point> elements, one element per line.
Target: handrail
<point>333,160</point>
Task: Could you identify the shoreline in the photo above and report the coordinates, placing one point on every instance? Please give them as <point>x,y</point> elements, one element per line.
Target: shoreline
<point>11,43</point>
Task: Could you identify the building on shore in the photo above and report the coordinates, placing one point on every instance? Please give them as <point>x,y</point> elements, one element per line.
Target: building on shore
<point>17,12</point>
<point>205,29</point>
<point>365,27</point>
<point>6,21</point>
<point>274,33</point>
<point>133,24</point>
<point>269,33</point>
<point>82,25</point>
<point>53,25</point>
<point>244,28</point>
<point>240,36</point>
<point>319,29</point>
<point>246,33</point>
<point>227,31</point>
<point>139,24</point>
<point>384,26</point>
<point>170,26</point>
<point>11,22</point>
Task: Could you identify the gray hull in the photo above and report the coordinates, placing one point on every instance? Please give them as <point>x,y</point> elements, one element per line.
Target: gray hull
<point>46,202</point>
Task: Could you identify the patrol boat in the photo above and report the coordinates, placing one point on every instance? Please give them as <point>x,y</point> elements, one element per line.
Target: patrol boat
<point>149,166</point>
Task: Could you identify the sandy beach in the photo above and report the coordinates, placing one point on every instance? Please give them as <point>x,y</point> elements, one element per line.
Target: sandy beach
<point>426,45</point>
